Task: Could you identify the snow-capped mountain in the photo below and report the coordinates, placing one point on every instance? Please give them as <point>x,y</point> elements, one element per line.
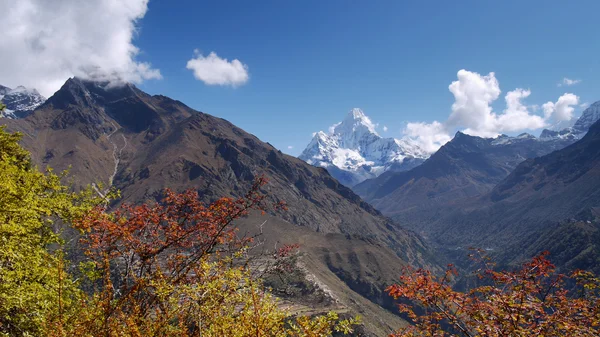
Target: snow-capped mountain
<point>20,101</point>
<point>579,129</point>
<point>353,151</point>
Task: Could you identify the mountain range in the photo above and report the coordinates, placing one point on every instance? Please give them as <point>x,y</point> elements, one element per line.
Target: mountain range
<point>465,167</point>
<point>140,144</point>
<point>514,196</point>
<point>353,151</point>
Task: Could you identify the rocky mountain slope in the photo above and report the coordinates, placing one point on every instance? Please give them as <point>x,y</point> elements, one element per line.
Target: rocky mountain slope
<point>140,144</point>
<point>353,151</point>
<point>20,101</point>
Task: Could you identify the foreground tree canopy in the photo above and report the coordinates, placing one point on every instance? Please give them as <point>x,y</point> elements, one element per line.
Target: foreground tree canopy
<point>175,268</point>
<point>532,301</point>
<point>179,268</point>
<point>30,202</point>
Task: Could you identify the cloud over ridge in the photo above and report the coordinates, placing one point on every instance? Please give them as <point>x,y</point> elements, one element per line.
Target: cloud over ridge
<point>45,42</point>
<point>472,112</point>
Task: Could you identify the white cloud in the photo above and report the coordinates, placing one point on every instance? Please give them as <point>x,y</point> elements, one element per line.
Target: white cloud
<point>548,109</point>
<point>385,128</point>
<point>45,42</point>
<point>473,95</point>
<point>472,110</point>
<point>568,82</point>
<point>313,134</point>
<point>584,105</point>
<point>213,70</point>
<point>516,116</point>
<point>473,114</point>
<point>430,137</point>
<point>290,147</point>
<point>563,109</point>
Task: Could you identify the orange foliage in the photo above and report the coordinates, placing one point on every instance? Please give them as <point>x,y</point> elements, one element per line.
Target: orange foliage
<point>178,268</point>
<point>532,301</point>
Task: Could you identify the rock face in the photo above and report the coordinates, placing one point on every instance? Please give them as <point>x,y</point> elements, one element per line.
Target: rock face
<point>353,151</point>
<point>20,102</point>
<point>142,144</point>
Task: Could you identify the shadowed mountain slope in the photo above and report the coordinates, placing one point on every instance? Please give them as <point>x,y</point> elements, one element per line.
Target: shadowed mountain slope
<point>464,168</point>
<point>549,203</point>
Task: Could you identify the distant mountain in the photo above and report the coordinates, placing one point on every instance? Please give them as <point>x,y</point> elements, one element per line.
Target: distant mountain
<point>547,203</point>
<point>574,170</point>
<point>465,167</point>
<point>477,192</point>
<point>141,144</point>
<point>589,116</point>
<point>20,101</point>
<point>353,151</point>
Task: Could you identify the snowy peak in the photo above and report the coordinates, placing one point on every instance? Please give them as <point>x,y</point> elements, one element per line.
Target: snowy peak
<point>356,122</point>
<point>357,113</point>
<point>353,151</point>
<point>318,148</point>
<point>356,131</point>
<point>20,101</point>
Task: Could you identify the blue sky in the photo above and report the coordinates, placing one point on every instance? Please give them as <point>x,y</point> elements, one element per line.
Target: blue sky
<point>309,62</point>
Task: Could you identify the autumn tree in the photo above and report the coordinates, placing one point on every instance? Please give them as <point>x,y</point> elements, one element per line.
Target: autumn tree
<point>179,268</point>
<point>33,281</point>
<point>532,301</point>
